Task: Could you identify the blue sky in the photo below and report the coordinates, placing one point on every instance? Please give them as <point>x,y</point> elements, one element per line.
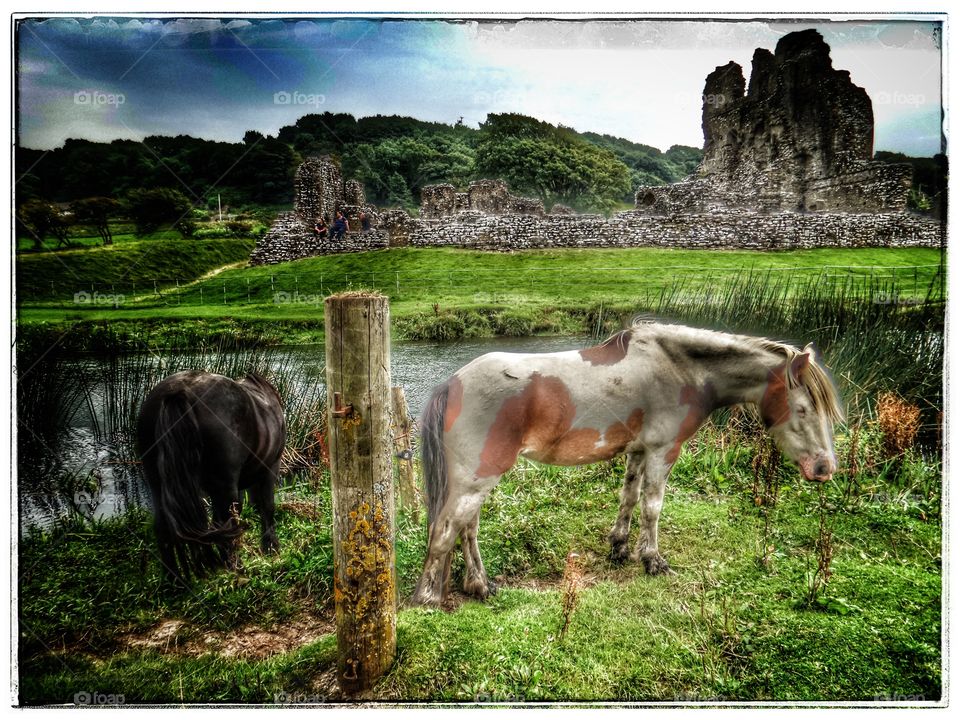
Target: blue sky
<point>108,78</point>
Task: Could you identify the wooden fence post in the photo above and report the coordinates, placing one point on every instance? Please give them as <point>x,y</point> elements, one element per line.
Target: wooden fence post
<point>361,471</point>
<point>403,444</point>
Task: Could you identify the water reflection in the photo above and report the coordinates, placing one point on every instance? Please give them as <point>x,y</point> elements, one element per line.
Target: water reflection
<point>110,486</point>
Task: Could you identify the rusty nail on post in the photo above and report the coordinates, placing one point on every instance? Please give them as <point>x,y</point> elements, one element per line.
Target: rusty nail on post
<point>339,409</point>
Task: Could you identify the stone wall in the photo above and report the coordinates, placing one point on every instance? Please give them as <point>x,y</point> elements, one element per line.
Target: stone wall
<point>485,196</point>
<point>353,193</point>
<point>289,238</point>
<point>727,229</point>
<point>318,189</point>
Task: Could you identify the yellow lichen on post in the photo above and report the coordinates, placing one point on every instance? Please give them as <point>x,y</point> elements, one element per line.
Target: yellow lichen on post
<point>361,471</point>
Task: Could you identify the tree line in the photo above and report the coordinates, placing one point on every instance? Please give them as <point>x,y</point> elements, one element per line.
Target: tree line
<point>393,156</point>
<point>163,180</point>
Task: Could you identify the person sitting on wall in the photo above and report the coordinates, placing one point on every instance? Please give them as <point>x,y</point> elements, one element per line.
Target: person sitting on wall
<point>364,221</point>
<point>339,228</point>
<point>320,229</point>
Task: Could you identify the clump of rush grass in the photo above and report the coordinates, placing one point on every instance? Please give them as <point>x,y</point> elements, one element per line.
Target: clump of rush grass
<point>766,493</point>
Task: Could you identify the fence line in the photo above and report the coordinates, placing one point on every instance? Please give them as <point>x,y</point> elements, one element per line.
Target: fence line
<point>286,287</point>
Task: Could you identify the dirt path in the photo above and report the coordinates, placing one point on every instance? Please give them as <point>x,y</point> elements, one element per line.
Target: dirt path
<point>250,642</point>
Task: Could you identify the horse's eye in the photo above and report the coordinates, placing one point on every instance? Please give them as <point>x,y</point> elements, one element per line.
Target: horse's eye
<point>802,411</point>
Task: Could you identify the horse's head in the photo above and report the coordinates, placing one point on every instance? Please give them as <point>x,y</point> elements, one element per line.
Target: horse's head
<point>799,407</point>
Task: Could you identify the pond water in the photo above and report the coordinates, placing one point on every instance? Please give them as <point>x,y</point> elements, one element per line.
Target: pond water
<point>112,488</point>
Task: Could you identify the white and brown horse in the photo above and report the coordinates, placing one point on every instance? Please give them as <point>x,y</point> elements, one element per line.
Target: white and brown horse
<point>643,392</point>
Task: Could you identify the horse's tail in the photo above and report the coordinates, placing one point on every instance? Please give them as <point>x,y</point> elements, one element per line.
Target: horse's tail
<point>181,513</point>
<point>434,461</point>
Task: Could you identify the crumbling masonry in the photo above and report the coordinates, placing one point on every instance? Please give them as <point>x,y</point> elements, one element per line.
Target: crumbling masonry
<point>787,164</point>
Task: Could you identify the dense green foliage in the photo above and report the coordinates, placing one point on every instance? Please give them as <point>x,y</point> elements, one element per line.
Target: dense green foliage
<point>649,166</point>
<point>151,209</point>
<point>553,163</point>
<point>393,156</point>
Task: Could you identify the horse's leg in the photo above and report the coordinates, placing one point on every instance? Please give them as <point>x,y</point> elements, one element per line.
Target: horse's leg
<point>168,560</point>
<point>620,534</point>
<point>165,539</point>
<point>432,587</point>
<point>261,494</point>
<point>463,503</point>
<point>226,504</point>
<point>647,551</point>
<point>475,580</point>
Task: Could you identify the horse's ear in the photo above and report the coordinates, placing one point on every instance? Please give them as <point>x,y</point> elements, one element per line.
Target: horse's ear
<point>800,362</point>
<point>811,349</point>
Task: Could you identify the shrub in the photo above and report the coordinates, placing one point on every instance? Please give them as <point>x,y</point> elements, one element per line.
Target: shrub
<point>899,423</point>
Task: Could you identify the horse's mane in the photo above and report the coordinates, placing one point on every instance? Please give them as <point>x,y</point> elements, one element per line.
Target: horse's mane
<point>823,393</point>
<point>814,378</point>
<point>262,382</point>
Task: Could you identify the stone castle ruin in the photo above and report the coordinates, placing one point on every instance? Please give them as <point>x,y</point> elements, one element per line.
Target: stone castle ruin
<point>799,140</point>
<point>787,164</point>
<point>319,192</point>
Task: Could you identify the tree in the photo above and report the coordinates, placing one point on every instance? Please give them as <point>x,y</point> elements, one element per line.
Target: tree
<point>41,219</point>
<point>552,162</point>
<point>149,209</point>
<point>397,191</point>
<point>97,211</point>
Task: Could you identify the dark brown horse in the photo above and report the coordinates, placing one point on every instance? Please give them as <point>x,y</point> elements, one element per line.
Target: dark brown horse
<point>203,435</point>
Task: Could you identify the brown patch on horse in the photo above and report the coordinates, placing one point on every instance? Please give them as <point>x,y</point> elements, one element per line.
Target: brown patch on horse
<point>774,407</point>
<point>701,404</point>
<point>539,419</point>
<point>566,446</point>
<point>583,445</point>
<point>454,402</point>
<point>545,401</point>
<point>617,436</point>
<point>609,352</point>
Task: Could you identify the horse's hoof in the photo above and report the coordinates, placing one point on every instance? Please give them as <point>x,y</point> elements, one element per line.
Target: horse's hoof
<point>657,565</point>
<point>619,553</point>
<point>425,599</point>
<point>480,590</point>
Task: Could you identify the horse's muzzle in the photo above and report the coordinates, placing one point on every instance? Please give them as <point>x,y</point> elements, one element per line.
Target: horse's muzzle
<point>819,469</point>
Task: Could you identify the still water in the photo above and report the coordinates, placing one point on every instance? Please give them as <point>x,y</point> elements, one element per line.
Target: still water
<point>415,366</point>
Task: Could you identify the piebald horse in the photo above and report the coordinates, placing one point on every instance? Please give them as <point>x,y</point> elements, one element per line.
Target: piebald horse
<point>643,392</point>
<point>204,435</point>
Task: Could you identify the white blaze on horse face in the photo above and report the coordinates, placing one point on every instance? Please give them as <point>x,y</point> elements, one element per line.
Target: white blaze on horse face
<point>806,436</point>
<point>803,433</point>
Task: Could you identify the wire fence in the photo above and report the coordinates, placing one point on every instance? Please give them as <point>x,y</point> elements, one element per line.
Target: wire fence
<point>485,285</point>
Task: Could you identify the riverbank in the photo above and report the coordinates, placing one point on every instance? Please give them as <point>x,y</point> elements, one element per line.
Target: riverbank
<point>444,294</point>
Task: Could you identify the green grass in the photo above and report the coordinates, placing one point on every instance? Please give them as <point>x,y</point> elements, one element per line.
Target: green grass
<point>435,293</point>
<point>129,266</point>
<point>724,627</point>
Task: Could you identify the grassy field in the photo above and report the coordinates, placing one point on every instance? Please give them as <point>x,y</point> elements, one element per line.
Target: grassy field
<point>726,627</point>
<point>129,266</point>
<point>745,618</point>
<point>432,291</point>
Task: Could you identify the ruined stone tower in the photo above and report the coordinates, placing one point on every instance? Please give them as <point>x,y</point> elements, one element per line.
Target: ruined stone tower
<point>319,189</point>
<point>798,139</point>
